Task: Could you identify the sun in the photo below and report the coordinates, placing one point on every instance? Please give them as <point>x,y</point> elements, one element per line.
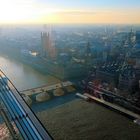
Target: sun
<point>10,11</point>
<point>23,11</point>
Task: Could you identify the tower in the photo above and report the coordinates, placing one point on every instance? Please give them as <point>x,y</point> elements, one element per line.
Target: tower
<point>88,55</point>
<point>131,38</point>
<point>47,46</point>
<point>138,37</point>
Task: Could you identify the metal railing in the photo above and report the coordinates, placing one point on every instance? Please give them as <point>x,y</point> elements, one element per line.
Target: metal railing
<point>28,125</point>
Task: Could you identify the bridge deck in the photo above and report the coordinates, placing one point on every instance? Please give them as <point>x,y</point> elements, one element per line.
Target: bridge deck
<point>37,90</point>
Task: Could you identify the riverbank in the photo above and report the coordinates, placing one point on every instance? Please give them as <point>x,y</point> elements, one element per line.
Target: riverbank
<point>24,76</point>
<point>80,120</point>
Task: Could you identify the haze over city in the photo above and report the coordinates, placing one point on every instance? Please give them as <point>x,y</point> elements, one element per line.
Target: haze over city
<point>70,69</point>
<point>62,11</point>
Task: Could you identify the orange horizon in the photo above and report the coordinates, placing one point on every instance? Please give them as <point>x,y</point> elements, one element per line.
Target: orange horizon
<point>83,17</point>
<point>32,12</point>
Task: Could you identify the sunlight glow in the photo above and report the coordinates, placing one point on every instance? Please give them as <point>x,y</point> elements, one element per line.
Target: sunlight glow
<point>20,11</point>
<point>37,12</point>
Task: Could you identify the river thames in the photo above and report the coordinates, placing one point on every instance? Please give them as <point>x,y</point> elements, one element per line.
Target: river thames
<point>73,117</point>
<point>24,76</point>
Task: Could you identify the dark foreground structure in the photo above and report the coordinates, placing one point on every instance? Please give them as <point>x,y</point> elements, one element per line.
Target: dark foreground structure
<point>17,114</point>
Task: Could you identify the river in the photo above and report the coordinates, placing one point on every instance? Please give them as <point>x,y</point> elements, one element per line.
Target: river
<point>105,124</point>
<point>24,76</point>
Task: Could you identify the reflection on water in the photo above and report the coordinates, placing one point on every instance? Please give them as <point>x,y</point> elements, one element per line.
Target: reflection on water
<point>22,75</point>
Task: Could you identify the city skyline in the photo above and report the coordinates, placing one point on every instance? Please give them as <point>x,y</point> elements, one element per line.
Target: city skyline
<point>69,12</point>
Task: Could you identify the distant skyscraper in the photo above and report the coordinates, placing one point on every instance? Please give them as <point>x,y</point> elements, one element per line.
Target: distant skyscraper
<point>138,37</point>
<point>88,54</point>
<point>48,49</point>
<point>137,40</point>
<point>130,40</point>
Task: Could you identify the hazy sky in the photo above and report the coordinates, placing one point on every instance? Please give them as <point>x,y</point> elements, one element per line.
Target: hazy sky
<point>70,11</point>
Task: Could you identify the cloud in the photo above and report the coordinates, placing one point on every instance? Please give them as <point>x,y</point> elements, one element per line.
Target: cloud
<point>76,12</point>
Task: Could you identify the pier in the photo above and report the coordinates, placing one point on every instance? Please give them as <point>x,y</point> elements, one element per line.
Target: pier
<point>114,106</point>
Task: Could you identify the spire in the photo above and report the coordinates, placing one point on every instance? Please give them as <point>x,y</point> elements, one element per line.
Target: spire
<point>88,49</point>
